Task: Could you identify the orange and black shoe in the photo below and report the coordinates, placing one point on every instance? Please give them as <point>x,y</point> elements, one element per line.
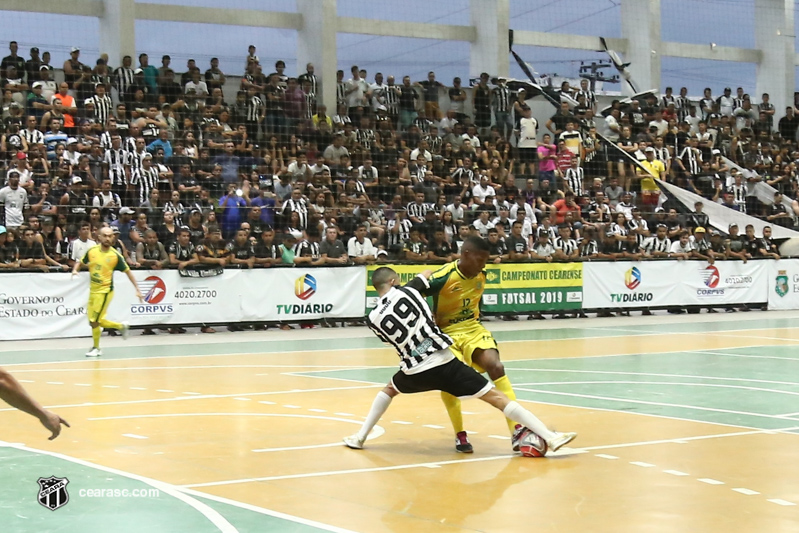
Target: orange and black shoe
<point>462,443</point>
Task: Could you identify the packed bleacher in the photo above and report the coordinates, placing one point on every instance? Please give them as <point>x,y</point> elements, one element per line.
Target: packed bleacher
<point>189,172</point>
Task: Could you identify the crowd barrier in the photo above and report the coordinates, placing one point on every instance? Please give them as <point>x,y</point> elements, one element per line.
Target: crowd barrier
<point>38,305</point>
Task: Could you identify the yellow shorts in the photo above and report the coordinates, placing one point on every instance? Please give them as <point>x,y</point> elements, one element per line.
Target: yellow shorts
<point>98,305</point>
<point>468,339</point>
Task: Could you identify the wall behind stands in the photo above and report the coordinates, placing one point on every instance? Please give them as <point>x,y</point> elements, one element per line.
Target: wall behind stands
<point>36,305</point>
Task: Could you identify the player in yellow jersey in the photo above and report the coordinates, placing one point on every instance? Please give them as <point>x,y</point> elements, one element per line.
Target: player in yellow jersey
<point>102,261</point>
<point>456,289</point>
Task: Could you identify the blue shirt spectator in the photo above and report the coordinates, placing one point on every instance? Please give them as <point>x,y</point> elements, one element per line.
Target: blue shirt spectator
<point>229,163</point>
<point>267,206</point>
<point>162,143</point>
<point>232,214</point>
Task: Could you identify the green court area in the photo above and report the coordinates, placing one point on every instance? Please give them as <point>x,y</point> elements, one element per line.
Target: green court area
<point>97,503</point>
<point>751,387</point>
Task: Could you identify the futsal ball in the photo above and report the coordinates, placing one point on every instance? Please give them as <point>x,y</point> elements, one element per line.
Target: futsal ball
<point>531,445</point>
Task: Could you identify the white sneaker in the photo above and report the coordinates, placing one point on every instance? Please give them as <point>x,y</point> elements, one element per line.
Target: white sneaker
<point>354,442</point>
<point>94,352</point>
<point>560,440</point>
<point>125,331</point>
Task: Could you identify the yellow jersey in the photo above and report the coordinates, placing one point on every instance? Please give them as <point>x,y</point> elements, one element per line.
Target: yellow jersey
<point>101,268</point>
<point>657,168</point>
<point>456,298</point>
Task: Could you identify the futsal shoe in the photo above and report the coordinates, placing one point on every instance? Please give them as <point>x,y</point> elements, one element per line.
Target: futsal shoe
<point>94,352</point>
<point>462,443</point>
<point>560,440</point>
<point>125,331</point>
<point>354,442</point>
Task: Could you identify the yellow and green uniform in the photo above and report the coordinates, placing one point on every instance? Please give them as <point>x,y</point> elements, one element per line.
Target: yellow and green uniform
<point>456,307</point>
<point>102,265</point>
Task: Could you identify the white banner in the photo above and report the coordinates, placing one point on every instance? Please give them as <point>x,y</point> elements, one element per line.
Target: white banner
<point>673,283</point>
<point>39,306</point>
<point>783,284</point>
<point>34,305</point>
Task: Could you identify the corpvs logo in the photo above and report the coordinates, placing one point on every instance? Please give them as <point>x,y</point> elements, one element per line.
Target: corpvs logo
<point>154,290</point>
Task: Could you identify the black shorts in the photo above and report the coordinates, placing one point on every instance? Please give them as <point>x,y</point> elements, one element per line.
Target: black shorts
<point>528,155</point>
<point>482,119</point>
<point>453,377</point>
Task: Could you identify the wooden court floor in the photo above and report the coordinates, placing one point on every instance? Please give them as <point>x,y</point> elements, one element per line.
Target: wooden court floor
<point>685,424</point>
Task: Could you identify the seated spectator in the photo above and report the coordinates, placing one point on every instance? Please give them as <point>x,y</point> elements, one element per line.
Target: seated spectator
<point>518,249</point>
<point>483,223</point>
<point>542,250</point>
<point>79,247</point>
<point>9,253</point>
<point>213,250</point>
<point>360,249</point>
<point>415,250</point>
<point>734,245</point>
<point>241,251</point>
<point>659,245</point>
<point>683,248</point>
<point>439,250</point>
<point>307,251</point>
<point>497,250</point>
<point>565,246</point>
<point>332,249</point>
<point>267,252</point>
<point>182,252</point>
<point>767,247</point>
<point>150,253</point>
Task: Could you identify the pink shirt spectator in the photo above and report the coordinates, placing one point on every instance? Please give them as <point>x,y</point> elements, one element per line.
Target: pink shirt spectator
<point>545,165</point>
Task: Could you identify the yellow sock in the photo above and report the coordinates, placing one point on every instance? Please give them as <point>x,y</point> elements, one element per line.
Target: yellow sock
<point>107,324</point>
<point>453,406</point>
<point>503,385</point>
<point>96,336</point>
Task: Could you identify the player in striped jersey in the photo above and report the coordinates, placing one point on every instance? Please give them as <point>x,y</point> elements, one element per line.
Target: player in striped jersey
<point>428,359</point>
<point>565,246</point>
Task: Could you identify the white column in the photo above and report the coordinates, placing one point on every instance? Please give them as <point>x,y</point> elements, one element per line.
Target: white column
<point>316,43</point>
<point>774,37</point>
<point>640,25</point>
<point>118,30</point>
<point>490,52</point>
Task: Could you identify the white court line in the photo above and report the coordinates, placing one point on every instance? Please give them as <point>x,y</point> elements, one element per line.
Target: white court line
<point>213,516</point>
<point>642,464</point>
<point>432,426</point>
<point>781,502</point>
<point>134,436</point>
<point>710,481</point>
<point>684,440</point>
<point>610,372</point>
<point>778,358</point>
<point>606,456</point>
<point>55,382</point>
<point>332,368</point>
<point>675,473</point>
<point>203,397</point>
<point>673,384</point>
<point>746,492</point>
<point>643,402</point>
<point>376,432</point>
<point>164,390</point>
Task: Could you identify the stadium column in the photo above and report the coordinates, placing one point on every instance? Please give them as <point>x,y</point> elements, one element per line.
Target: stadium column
<point>118,30</point>
<point>640,26</point>
<point>316,43</point>
<point>490,51</point>
<point>774,37</point>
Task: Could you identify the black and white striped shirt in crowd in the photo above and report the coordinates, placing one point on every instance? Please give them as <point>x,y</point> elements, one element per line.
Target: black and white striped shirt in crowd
<point>590,248</point>
<point>116,161</point>
<point>574,177</point>
<point>691,159</point>
<point>32,137</point>
<point>298,206</point>
<point>662,154</point>
<point>310,104</point>
<point>135,161</point>
<point>641,225</point>
<point>403,319</point>
<point>682,104</point>
<point>306,248</point>
<point>105,140</point>
<point>567,246</point>
<point>590,97</point>
<point>403,232</point>
<point>391,93</point>
<point>502,99</point>
<point>129,144</point>
<point>739,193</point>
<point>365,137</point>
<point>103,108</point>
<point>341,93</point>
<point>311,78</point>
<point>417,210</point>
<point>737,102</point>
<point>123,78</point>
<point>653,244</point>
<point>254,108</point>
<point>145,180</point>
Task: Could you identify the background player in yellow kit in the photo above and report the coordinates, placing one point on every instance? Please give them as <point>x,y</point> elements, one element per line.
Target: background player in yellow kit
<point>456,289</point>
<point>102,261</point>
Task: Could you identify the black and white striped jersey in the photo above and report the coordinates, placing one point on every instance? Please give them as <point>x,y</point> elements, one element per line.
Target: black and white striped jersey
<point>391,94</point>
<point>588,248</point>
<point>502,99</point>
<point>135,160</point>
<point>145,180</point>
<point>32,137</point>
<point>590,97</point>
<point>642,225</point>
<point>653,244</point>
<point>567,246</point>
<point>298,206</point>
<point>403,319</point>
<point>574,177</point>
<point>255,107</point>
<point>123,78</point>
<point>403,231</point>
<point>116,161</point>
<point>103,108</point>
<point>739,193</point>
<point>418,210</point>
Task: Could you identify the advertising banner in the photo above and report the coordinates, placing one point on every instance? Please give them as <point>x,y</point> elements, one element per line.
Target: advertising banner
<point>783,284</point>
<point>514,287</point>
<point>628,284</point>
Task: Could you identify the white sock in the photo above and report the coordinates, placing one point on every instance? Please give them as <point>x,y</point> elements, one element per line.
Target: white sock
<point>516,412</point>
<point>379,406</point>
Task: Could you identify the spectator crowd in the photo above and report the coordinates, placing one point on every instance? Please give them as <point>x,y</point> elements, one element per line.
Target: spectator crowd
<point>191,174</point>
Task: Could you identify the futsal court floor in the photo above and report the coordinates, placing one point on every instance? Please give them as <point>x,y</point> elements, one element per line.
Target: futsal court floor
<point>686,423</point>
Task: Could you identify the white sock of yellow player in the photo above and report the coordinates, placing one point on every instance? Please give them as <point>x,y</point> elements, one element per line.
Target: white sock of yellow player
<point>516,412</point>
<point>379,406</point>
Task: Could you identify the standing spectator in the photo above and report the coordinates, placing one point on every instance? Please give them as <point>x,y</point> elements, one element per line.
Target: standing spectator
<point>430,88</point>
<point>788,125</point>
<point>13,60</point>
<point>407,103</point>
<point>528,145</point>
<point>481,102</point>
<point>123,77</point>
<point>214,78</point>
<point>502,103</point>
<point>457,100</point>
<point>232,211</point>
<point>13,202</point>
